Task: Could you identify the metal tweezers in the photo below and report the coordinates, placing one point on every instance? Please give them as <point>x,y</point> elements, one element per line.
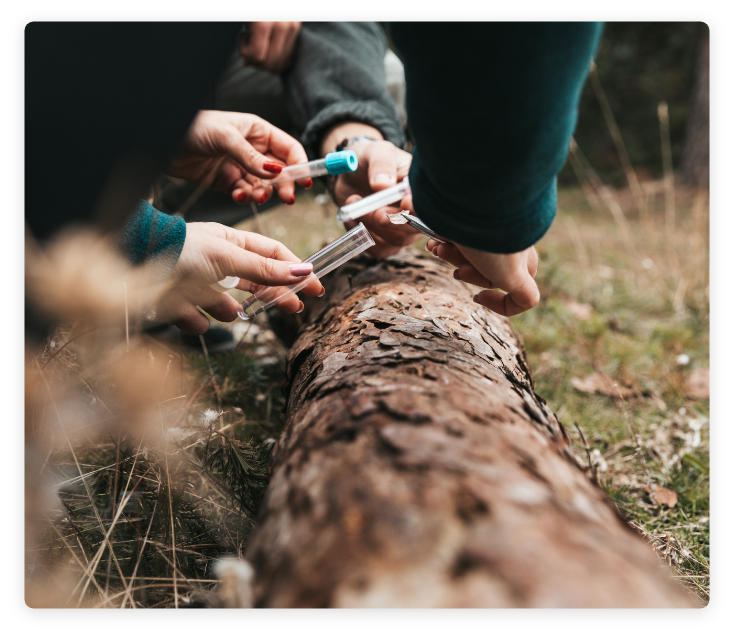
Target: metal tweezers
<point>416,224</point>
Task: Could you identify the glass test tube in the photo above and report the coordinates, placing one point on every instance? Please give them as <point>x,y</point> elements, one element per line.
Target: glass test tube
<point>324,261</point>
<point>333,163</point>
<point>373,202</point>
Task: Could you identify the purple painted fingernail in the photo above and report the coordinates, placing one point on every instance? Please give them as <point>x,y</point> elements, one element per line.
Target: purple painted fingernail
<point>301,269</point>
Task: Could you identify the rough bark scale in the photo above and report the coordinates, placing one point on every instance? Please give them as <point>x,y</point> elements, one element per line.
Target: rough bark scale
<point>419,468</point>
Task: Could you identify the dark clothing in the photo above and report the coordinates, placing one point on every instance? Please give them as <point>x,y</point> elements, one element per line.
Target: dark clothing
<point>106,105</point>
<point>491,108</point>
<point>150,234</point>
<point>338,75</point>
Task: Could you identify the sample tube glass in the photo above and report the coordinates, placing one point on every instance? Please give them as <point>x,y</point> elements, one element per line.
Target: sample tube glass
<point>373,202</point>
<point>333,163</point>
<point>324,261</point>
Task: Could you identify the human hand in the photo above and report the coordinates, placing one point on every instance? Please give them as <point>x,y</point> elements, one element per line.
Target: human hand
<point>270,45</point>
<point>381,166</point>
<point>212,252</point>
<point>232,151</point>
<point>513,273</point>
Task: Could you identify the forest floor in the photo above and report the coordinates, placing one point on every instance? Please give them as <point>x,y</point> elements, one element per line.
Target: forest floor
<point>618,347</point>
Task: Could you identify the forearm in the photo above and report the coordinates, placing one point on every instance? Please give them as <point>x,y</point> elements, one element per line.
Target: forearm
<point>150,235</point>
<point>338,77</point>
<point>488,181</point>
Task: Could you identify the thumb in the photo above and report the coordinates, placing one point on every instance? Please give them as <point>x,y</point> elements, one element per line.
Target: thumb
<point>382,167</point>
<point>232,143</point>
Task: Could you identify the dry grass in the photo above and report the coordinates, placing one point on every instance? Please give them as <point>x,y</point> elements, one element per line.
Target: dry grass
<point>632,307</point>
<point>145,465</point>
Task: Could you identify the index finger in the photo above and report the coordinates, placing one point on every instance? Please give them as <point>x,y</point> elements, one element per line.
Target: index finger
<point>256,49</point>
<point>522,298</point>
<point>259,244</point>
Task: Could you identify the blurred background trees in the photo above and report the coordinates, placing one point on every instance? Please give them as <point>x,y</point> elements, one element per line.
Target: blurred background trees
<point>641,64</point>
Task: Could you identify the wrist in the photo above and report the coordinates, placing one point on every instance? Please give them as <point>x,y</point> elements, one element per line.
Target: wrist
<point>347,130</point>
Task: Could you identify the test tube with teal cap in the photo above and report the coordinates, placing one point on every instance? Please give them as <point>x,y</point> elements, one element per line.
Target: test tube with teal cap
<point>334,163</point>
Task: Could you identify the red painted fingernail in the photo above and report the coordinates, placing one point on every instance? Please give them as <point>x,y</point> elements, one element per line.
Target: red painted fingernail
<point>309,185</point>
<point>272,166</point>
<point>263,198</point>
<point>293,200</point>
<point>240,197</point>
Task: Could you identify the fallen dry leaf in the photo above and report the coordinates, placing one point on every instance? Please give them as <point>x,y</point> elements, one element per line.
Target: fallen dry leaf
<point>697,384</point>
<point>664,496</point>
<point>601,383</point>
<point>582,311</point>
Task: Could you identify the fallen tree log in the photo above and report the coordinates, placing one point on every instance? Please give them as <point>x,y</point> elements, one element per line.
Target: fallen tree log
<point>418,468</point>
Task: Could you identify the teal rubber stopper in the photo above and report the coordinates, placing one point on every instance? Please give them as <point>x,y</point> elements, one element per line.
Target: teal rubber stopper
<point>340,162</point>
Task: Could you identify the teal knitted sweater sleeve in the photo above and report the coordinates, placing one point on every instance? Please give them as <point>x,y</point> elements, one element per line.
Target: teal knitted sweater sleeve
<point>492,107</point>
<point>150,235</point>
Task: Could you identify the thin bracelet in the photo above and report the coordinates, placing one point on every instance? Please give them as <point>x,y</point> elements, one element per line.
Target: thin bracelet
<point>348,142</point>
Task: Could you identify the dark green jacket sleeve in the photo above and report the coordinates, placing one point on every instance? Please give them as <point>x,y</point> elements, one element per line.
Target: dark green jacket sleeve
<point>492,107</point>
<point>152,236</point>
<point>338,75</point>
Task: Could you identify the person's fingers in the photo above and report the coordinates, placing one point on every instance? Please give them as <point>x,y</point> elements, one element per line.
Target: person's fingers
<point>450,254</point>
<point>269,140</point>
<point>291,304</point>
<point>469,274</point>
<point>233,261</point>
<point>314,287</point>
<point>292,32</point>
<point>256,243</point>
<point>241,191</point>
<point>286,192</point>
<point>256,50</point>
<point>174,308</point>
<point>382,167</point>
<point>533,262</point>
<point>525,297</point>
<point>406,203</point>
<point>217,304</point>
<point>275,58</point>
<point>231,142</point>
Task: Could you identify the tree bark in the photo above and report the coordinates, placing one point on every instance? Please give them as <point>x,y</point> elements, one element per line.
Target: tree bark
<point>694,165</point>
<point>418,468</point>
